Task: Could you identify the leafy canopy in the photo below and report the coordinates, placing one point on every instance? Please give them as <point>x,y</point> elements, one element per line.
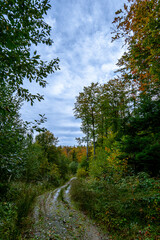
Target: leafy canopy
<point>139,23</point>
<point>23,26</point>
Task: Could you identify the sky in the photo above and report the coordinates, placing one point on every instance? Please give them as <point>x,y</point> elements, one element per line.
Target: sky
<point>81,31</point>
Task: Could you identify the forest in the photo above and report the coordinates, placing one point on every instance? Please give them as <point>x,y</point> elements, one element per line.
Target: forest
<point>117,162</point>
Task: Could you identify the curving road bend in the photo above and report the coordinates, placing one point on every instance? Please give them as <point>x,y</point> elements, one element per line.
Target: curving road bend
<point>55,218</point>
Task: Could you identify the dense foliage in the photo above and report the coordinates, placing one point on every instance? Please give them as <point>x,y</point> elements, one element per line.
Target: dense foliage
<point>135,124</point>
<point>120,120</point>
<point>22,27</point>
<point>128,209</point>
<point>118,170</point>
<point>129,105</point>
<point>23,163</point>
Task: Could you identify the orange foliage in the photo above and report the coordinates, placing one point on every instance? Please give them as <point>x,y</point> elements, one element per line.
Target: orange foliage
<point>138,23</point>
<point>74,153</point>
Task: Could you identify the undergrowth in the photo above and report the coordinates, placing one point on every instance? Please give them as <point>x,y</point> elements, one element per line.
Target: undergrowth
<point>128,209</point>
<point>17,201</point>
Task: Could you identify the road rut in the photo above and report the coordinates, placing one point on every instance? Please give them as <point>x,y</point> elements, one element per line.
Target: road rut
<point>55,218</point>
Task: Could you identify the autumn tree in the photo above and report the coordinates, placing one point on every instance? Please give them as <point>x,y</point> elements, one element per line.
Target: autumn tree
<point>138,23</point>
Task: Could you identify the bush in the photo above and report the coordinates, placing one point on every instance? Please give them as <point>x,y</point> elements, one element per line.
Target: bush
<point>54,175</point>
<point>82,173</point>
<point>83,197</point>
<point>129,208</point>
<point>73,166</point>
<point>107,164</point>
<point>16,206</point>
<point>84,163</point>
<point>8,213</point>
<point>25,203</point>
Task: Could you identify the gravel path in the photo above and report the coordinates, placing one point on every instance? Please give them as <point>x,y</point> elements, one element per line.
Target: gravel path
<point>55,218</point>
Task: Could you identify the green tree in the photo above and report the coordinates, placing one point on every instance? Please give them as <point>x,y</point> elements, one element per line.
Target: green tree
<point>22,27</point>
<point>113,107</point>
<point>138,22</point>
<point>34,160</point>
<point>142,133</point>
<point>46,140</point>
<point>86,109</point>
<point>12,135</point>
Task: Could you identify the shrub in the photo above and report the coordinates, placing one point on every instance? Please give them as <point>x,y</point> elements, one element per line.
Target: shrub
<point>16,206</point>
<point>54,175</point>
<point>81,173</point>
<point>107,164</point>
<point>8,213</point>
<point>82,196</point>
<point>73,166</point>
<point>24,203</point>
<point>129,208</point>
<point>84,163</point>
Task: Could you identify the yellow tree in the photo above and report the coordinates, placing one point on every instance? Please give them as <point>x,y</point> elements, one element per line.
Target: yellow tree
<point>139,23</point>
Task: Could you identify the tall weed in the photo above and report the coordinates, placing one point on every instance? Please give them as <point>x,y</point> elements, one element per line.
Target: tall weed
<point>16,206</point>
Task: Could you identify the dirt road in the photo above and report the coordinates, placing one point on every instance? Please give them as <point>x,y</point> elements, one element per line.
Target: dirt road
<point>55,218</point>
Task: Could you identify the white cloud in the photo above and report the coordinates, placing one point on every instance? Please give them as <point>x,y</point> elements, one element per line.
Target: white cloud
<point>82,41</point>
<point>108,67</point>
<point>56,89</point>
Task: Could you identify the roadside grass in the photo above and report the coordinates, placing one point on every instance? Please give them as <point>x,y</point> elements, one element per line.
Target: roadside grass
<point>128,209</point>
<point>15,206</point>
